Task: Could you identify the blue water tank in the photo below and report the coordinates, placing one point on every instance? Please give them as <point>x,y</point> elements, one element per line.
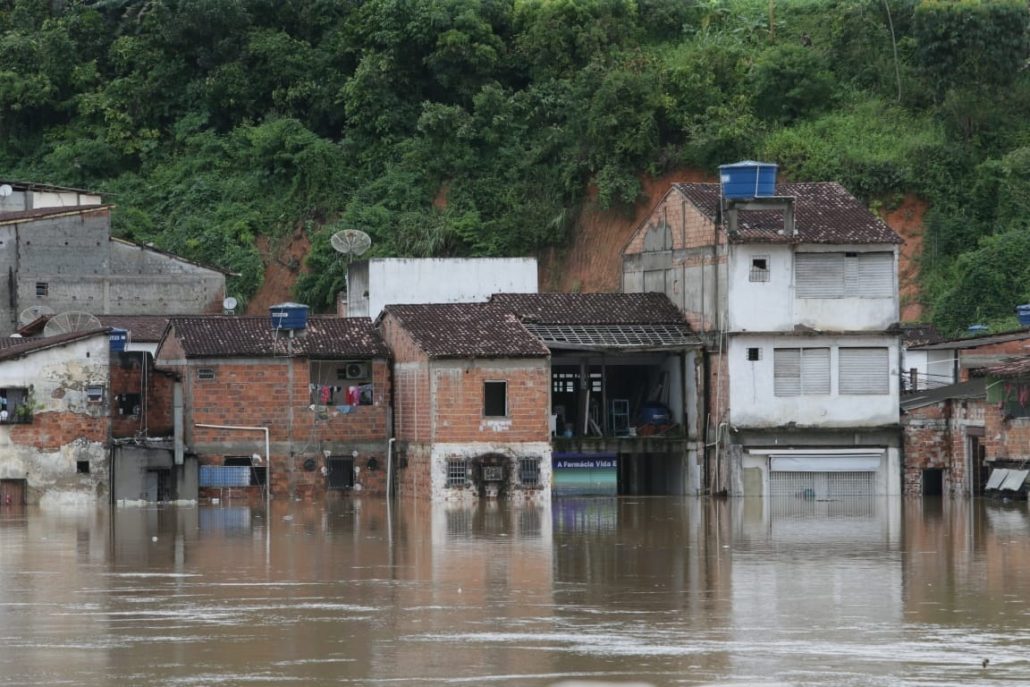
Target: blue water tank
<point>748,179</point>
<point>289,316</point>
<point>1023,315</point>
<point>978,329</point>
<point>119,339</point>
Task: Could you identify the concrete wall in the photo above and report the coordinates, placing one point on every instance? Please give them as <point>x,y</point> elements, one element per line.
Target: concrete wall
<point>23,198</point>
<point>773,305</point>
<point>677,251</point>
<point>66,427</point>
<point>753,402</point>
<point>130,465</point>
<point>435,280</point>
<point>83,270</point>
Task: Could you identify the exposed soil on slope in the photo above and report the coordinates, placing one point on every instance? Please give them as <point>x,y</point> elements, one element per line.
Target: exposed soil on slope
<point>284,259</point>
<point>592,261</point>
<point>907,220</point>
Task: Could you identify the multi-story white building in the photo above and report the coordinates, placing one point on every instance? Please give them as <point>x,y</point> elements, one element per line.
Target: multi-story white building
<point>796,297</point>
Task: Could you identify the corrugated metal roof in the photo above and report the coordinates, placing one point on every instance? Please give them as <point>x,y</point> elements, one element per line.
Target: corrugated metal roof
<point>974,388</point>
<point>976,341</point>
<point>824,212</point>
<point>467,330</point>
<point>591,308</point>
<point>218,336</point>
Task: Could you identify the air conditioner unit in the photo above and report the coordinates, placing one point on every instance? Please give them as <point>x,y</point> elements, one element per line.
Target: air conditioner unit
<point>357,371</point>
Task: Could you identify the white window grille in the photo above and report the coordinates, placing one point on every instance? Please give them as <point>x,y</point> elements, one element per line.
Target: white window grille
<point>457,473</point>
<point>529,472</point>
<point>759,268</point>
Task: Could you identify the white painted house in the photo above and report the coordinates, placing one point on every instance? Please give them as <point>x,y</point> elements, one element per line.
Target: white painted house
<point>797,298</point>
<point>375,283</point>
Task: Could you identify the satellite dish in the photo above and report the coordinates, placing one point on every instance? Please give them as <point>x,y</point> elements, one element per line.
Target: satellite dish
<point>72,321</point>
<point>350,242</point>
<point>229,305</point>
<point>33,313</point>
<point>5,190</point>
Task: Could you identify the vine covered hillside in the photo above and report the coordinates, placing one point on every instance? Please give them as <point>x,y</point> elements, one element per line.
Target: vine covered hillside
<point>224,129</point>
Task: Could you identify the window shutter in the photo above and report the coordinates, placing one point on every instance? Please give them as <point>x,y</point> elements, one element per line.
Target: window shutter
<point>864,371</point>
<point>815,371</point>
<point>787,372</point>
<point>819,275</point>
<point>876,275</point>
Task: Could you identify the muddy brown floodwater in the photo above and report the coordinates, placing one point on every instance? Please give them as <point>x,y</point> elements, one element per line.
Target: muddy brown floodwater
<point>662,591</point>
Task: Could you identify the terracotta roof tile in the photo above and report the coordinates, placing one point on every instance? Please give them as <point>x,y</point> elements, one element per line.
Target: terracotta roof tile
<point>591,308</point>
<point>824,212</point>
<point>21,347</point>
<point>142,328</point>
<point>219,336</point>
<point>467,330</point>
<point>1014,367</point>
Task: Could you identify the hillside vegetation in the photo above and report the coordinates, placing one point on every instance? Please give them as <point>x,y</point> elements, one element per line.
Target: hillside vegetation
<point>478,127</point>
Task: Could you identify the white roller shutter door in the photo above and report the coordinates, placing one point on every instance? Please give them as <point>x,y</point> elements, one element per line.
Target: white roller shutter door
<point>819,275</point>
<point>864,371</point>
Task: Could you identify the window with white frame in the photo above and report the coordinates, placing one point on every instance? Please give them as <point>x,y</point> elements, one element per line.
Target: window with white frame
<point>864,371</point>
<point>801,371</point>
<point>839,275</point>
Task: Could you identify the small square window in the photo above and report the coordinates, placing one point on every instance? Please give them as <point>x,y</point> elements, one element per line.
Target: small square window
<point>95,393</point>
<point>754,354</point>
<point>205,373</point>
<point>42,288</point>
<point>495,399</point>
<point>457,473</point>
<point>760,268</point>
<point>529,472</point>
<point>82,467</point>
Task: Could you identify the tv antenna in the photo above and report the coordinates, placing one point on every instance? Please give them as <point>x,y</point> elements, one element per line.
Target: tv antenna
<point>350,242</point>
<point>71,321</point>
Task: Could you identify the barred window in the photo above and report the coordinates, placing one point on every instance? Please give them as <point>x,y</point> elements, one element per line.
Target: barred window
<point>529,472</point>
<point>457,471</point>
<point>759,268</point>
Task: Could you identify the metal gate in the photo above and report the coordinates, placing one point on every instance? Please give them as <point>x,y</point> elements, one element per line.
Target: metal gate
<point>822,485</point>
<point>340,472</point>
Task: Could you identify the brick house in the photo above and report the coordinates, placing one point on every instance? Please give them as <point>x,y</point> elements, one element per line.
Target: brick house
<point>54,418</point>
<point>320,393</point>
<point>943,362</point>
<point>626,378</point>
<point>471,406</point>
<point>795,297</point>
<point>956,436</point>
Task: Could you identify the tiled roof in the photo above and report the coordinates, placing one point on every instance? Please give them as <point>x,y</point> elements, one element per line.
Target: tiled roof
<point>614,336</point>
<point>1014,367</point>
<point>590,308</point>
<point>219,336</point>
<point>824,212</point>
<point>25,215</point>
<point>142,328</point>
<point>21,347</point>
<point>467,330</point>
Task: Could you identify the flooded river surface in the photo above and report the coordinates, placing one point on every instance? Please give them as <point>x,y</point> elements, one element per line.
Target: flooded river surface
<point>660,591</point>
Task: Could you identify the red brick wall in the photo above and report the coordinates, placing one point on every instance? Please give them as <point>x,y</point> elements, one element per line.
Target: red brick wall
<point>458,402</point>
<point>927,443</point>
<point>1005,438</point>
<point>411,371</point>
<point>415,478</point>
<point>50,431</point>
<point>126,378</point>
<point>689,228</point>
